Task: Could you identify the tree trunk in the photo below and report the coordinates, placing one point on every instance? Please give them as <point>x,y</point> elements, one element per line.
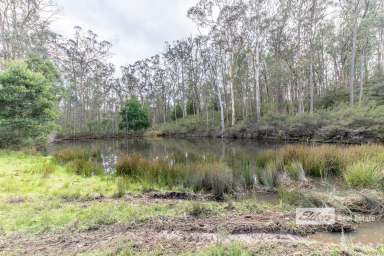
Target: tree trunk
<point>312,87</point>
<point>257,82</point>
<point>353,60</point>
<point>232,93</point>
<point>362,76</point>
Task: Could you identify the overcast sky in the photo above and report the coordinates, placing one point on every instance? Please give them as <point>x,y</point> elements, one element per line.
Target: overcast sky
<point>136,28</point>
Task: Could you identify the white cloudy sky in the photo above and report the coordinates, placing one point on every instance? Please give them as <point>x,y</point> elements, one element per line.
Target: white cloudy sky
<point>136,28</point>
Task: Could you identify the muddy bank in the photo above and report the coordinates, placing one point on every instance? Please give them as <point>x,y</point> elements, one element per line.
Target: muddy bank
<point>275,133</point>
<point>172,236</point>
<point>297,133</point>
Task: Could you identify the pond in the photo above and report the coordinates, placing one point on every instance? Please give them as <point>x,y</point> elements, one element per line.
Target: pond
<point>232,152</point>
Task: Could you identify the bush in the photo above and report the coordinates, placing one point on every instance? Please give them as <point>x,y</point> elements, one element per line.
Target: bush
<point>364,174</point>
<point>27,105</point>
<point>134,116</point>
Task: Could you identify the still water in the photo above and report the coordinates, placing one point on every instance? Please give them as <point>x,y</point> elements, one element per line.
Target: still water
<point>232,152</point>
<point>366,234</point>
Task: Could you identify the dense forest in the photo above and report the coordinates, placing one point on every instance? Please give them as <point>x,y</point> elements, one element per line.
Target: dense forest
<point>252,60</point>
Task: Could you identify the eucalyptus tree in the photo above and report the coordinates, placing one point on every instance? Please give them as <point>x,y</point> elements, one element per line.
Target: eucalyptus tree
<point>24,28</point>
<point>86,74</point>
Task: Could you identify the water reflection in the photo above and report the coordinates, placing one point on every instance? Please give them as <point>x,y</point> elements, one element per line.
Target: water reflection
<point>366,234</point>
<point>234,153</point>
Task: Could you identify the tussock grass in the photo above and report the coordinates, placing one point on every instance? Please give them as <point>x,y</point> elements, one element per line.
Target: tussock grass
<point>80,161</point>
<point>70,154</point>
<point>365,174</point>
<point>361,166</point>
<point>295,170</point>
<point>267,176</point>
<point>85,168</point>
<point>210,176</point>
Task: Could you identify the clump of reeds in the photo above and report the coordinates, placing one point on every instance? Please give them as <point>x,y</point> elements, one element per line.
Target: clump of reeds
<point>324,160</point>
<point>80,161</point>
<point>213,177</point>
<point>216,178</point>
<point>365,174</point>
<point>70,154</point>
<point>268,175</point>
<point>85,168</point>
<point>295,171</point>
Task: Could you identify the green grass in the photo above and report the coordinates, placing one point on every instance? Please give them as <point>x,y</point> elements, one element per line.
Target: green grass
<point>37,216</point>
<point>365,174</point>
<point>51,197</point>
<point>224,250</point>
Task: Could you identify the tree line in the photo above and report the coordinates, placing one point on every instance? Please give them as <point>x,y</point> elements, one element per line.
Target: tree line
<point>251,58</point>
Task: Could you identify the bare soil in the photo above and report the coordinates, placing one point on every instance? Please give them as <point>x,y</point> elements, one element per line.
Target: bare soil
<point>269,233</point>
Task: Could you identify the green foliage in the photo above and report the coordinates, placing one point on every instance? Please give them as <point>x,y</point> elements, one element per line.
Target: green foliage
<point>134,116</point>
<point>177,112</point>
<point>375,89</point>
<point>43,66</point>
<point>190,107</point>
<point>27,105</point>
<point>333,98</point>
<point>104,126</point>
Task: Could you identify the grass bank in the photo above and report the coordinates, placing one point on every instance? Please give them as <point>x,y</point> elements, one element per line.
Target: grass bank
<point>67,196</point>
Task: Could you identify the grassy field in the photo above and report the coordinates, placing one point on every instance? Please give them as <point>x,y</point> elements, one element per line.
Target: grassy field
<point>64,202</point>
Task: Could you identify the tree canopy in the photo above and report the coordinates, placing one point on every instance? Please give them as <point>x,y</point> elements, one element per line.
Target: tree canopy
<point>28,106</point>
<point>134,116</point>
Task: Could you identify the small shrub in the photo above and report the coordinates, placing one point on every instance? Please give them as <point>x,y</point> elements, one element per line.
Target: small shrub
<point>364,174</point>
